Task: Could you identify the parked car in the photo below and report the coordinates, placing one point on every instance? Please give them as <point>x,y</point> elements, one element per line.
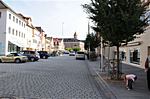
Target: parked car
<point>13,57</point>
<point>80,55</point>
<point>72,53</point>
<point>43,54</point>
<point>66,52</point>
<point>55,53</point>
<point>32,55</point>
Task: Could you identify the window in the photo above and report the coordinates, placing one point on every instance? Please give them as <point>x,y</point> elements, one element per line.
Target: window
<point>22,23</point>
<point>19,33</point>
<point>16,32</point>
<point>9,30</point>
<point>122,55</point>
<point>135,56</point>
<point>14,18</point>
<point>13,31</point>
<point>10,16</point>
<point>19,22</point>
<point>34,41</point>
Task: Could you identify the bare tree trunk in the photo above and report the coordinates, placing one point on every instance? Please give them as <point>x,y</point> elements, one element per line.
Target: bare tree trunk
<point>118,62</point>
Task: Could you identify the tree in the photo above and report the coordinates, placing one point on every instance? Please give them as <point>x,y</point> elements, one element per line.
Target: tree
<point>91,41</point>
<point>68,49</point>
<point>76,49</point>
<point>117,21</point>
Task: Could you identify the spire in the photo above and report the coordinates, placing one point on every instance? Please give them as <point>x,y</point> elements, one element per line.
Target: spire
<point>75,35</point>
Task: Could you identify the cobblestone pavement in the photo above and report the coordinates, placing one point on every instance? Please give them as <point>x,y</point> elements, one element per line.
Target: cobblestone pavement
<point>60,77</point>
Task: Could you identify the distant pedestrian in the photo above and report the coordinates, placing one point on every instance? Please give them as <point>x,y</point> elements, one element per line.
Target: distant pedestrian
<point>147,70</point>
<point>129,79</point>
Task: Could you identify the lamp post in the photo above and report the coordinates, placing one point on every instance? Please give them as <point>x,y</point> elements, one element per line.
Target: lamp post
<point>45,40</point>
<point>89,41</point>
<point>101,53</point>
<point>62,35</point>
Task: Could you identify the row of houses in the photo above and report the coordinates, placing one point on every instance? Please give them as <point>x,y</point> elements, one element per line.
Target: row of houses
<point>18,33</point>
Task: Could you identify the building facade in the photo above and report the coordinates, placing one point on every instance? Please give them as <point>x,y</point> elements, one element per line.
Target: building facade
<point>18,33</point>
<point>12,30</point>
<point>136,52</point>
<point>74,43</point>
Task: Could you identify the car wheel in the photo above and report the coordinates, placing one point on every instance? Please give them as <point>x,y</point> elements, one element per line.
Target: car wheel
<point>0,61</point>
<point>32,59</point>
<point>44,57</point>
<point>17,61</point>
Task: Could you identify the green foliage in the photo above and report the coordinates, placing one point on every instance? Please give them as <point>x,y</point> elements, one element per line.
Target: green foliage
<point>91,41</point>
<point>117,21</point>
<point>76,49</point>
<point>73,49</point>
<point>68,49</point>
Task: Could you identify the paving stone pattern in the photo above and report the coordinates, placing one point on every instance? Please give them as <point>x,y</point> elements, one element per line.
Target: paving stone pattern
<point>55,78</point>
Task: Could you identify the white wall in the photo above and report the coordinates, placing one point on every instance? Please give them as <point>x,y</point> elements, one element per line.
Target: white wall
<point>3,31</point>
<point>5,36</point>
<point>36,37</point>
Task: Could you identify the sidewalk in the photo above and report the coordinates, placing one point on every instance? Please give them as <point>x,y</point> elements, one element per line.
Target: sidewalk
<point>116,89</point>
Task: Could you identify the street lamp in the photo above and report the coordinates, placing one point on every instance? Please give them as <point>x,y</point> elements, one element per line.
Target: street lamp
<point>101,53</point>
<point>62,35</point>
<point>89,41</point>
<point>45,40</point>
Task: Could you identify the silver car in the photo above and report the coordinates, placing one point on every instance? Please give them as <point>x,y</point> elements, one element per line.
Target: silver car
<point>80,55</point>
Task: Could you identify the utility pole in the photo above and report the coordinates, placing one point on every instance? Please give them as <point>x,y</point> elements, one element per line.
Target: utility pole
<point>101,53</point>
<point>62,35</point>
<point>89,41</point>
<point>45,35</point>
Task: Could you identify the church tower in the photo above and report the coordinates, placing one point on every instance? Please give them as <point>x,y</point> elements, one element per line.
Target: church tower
<point>75,35</point>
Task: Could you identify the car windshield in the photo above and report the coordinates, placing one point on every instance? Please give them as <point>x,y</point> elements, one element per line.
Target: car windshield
<point>20,54</point>
<point>80,52</point>
<point>14,54</point>
<point>27,52</point>
<point>45,52</point>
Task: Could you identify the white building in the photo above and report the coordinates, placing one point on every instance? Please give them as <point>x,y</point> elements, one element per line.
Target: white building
<point>18,33</point>
<point>12,30</point>
<point>36,40</point>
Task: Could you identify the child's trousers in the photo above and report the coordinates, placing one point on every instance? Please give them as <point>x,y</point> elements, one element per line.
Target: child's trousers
<point>130,81</point>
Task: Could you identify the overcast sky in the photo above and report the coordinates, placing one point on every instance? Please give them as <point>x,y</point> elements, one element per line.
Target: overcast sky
<point>58,18</point>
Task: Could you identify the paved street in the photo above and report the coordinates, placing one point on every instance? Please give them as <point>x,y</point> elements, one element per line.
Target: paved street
<point>57,77</point>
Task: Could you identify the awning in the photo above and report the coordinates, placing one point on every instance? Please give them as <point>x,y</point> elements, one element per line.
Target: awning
<point>16,43</point>
<point>19,43</point>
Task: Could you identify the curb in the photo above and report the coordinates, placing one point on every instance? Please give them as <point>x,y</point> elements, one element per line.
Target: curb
<point>102,85</point>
